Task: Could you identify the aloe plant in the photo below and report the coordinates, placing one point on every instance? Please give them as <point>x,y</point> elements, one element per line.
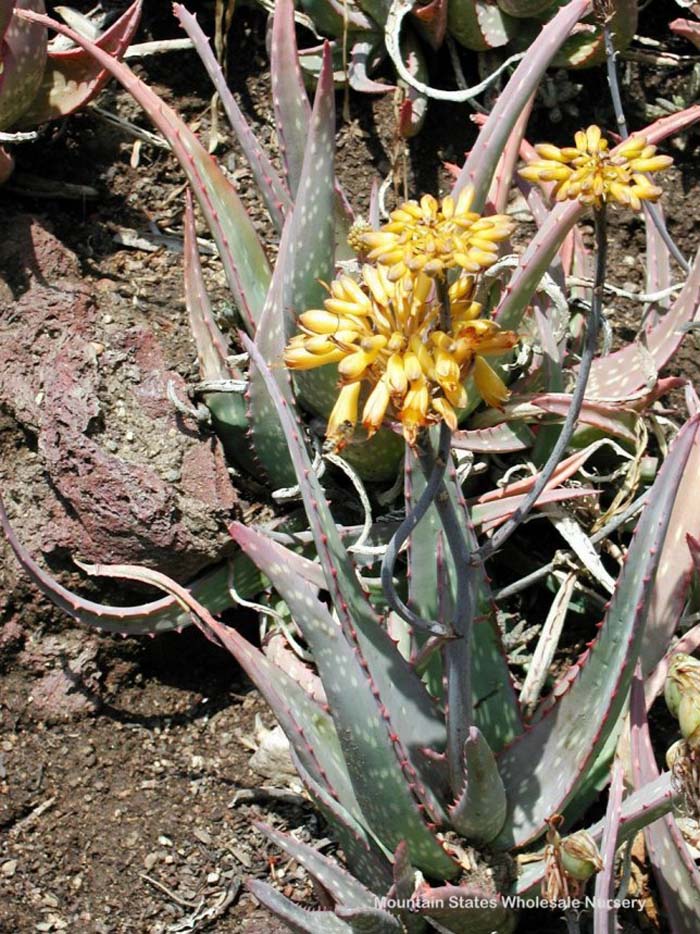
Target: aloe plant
<point>364,32</point>
<point>38,82</point>
<point>424,752</point>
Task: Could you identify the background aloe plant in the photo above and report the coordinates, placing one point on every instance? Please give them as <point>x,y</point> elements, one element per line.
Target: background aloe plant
<point>427,750</point>
<point>39,82</point>
<point>364,32</point>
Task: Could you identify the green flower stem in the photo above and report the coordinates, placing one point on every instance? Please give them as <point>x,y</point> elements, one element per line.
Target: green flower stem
<point>438,465</point>
<point>501,536</point>
<point>457,666</point>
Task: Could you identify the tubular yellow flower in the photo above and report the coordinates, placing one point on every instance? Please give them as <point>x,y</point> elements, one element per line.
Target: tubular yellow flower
<point>432,236</point>
<point>388,335</point>
<point>593,174</point>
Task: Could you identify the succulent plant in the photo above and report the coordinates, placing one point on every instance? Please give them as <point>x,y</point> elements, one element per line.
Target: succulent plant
<point>39,82</point>
<point>441,784</point>
<point>364,32</point>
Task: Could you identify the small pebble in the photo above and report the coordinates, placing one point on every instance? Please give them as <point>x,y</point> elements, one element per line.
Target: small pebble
<point>9,868</point>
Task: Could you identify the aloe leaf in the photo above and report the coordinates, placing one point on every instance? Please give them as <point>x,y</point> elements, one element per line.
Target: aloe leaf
<point>273,190</point>
<point>478,24</point>
<point>337,17</point>
<point>675,572</point>
<point>414,107</point>
<point>480,811</point>
<point>370,921</point>
<point>605,913</point>
<point>586,47</point>
<point>72,77</point>
<point>242,254</point>
<point>393,680</point>
<point>289,98</point>
<point>541,768</point>
<point>535,261</point>
<point>524,8</point>
<point>309,257</point>
<point>430,20</point>
<point>147,619</point>
<point>621,374</point>
<point>404,884</point>
<point>377,9</point>
<point>640,808</point>
<point>482,913</point>
<point>266,432</point>
<point>483,158</point>
<point>362,54</point>
<point>293,112</point>
<point>375,745</point>
<point>658,262</point>
<point>688,29</point>
<point>613,418</point>
<point>362,852</point>
<point>299,920</point>
<point>502,181</point>
<point>676,873</point>
<point>344,888</point>
<point>500,439</point>
<point>488,516</point>
<point>308,727</point>
<point>23,57</point>
<point>305,256</point>
<point>228,409</point>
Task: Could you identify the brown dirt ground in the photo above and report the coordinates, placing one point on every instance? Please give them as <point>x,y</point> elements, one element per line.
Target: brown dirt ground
<point>121,760</point>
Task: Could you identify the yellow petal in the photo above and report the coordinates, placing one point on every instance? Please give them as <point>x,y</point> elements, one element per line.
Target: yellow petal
<point>321,322</point>
<point>445,411</point>
<point>343,418</point>
<point>593,137</point>
<point>465,200</point>
<point>631,147</point>
<point>354,365</point>
<point>375,407</point>
<point>491,387</point>
<point>298,358</point>
<point>653,164</point>
<point>412,366</point>
<point>396,375</point>
<point>548,152</point>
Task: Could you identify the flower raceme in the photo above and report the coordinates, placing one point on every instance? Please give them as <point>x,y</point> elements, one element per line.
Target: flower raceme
<point>388,334</point>
<point>593,174</point>
<point>431,236</point>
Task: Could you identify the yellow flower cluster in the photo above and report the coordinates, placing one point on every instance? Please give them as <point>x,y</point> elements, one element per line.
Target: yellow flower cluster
<point>431,237</point>
<point>386,329</point>
<point>593,174</point>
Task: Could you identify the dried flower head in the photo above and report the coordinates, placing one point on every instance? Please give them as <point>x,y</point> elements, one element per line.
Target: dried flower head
<point>593,174</point>
<point>569,862</point>
<point>683,762</point>
<point>432,236</point>
<point>682,692</point>
<point>387,334</point>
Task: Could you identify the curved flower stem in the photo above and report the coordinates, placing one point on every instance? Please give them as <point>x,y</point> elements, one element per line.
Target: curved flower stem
<point>437,466</point>
<point>500,537</point>
<point>651,209</point>
<point>457,651</point>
